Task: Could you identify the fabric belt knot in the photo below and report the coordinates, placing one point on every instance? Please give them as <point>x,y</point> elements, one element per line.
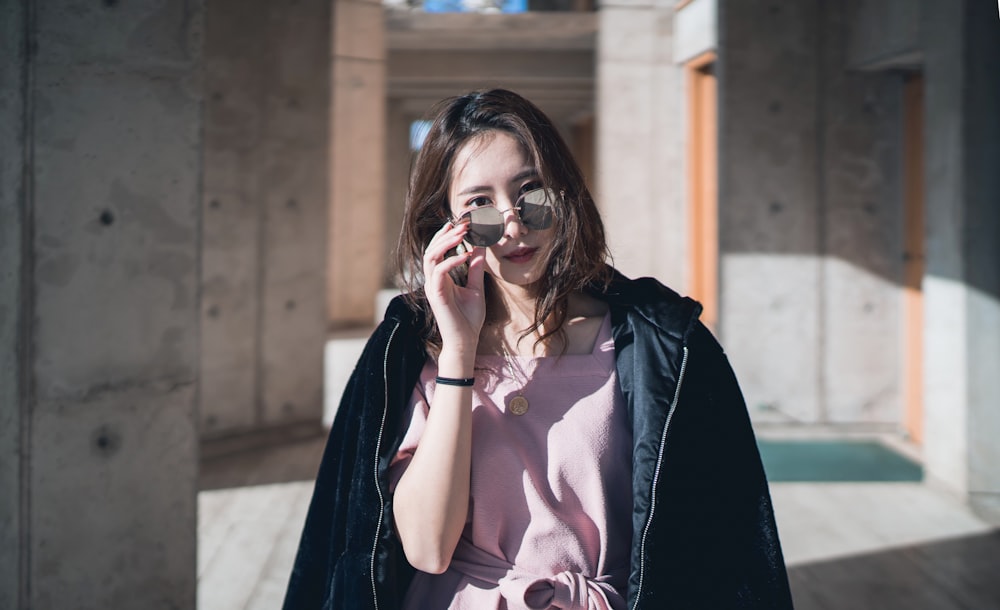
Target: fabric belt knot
<point>524,590</point>
<point>568,591</point>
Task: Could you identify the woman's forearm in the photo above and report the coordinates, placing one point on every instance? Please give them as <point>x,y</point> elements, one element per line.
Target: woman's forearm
<point>431,500</point>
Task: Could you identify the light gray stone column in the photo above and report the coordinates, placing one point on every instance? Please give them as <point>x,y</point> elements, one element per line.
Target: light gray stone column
<point>264,213</point>
<point>962,286</point>
<point>100,126</point>
<point>358,162</point>
<point>399,157</point>
<point>640,139</point>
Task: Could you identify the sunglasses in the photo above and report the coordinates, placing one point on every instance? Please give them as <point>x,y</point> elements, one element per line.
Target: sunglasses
<point>486,223</point>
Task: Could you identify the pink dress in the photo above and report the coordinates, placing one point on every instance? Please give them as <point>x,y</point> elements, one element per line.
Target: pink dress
<point>551,490</point>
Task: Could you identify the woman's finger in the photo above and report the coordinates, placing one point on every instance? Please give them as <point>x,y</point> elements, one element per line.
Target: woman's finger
<point>450,263</point>
<point>444,240</point>
<point>477,267</point>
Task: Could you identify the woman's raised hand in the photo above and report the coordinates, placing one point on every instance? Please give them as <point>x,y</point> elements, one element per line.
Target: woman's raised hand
<point>459,310</point>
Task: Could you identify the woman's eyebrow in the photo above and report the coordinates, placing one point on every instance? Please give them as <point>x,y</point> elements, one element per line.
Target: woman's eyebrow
<point>524,174</point>
<point>521,175</point>
<point>475,189</point>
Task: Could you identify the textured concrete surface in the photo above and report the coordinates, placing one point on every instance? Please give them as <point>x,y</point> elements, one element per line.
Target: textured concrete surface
<point>884,33</point>
<point>640,140</point>
<point>861,222</point>
<point>264,211</point>
<point>809,220</point>
<point>13,360</point>
<point>105,285</point>
<point>356,256</point>
<point>962,324</point>
<point>768,226</point>
<point>983,252</point>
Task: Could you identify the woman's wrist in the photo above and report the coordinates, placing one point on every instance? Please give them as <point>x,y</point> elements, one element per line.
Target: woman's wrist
<point>456,363</point>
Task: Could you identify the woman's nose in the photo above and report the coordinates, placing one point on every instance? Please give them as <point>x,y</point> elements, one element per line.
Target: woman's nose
<point>513,227</point>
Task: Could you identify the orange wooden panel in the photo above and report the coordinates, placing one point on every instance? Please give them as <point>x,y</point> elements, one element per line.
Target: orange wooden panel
<point>913,218</point>
<point>702,174</point>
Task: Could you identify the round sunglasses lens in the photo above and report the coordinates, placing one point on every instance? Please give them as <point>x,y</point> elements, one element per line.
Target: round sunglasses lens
<point>485,226</point>
<point>536,208</point>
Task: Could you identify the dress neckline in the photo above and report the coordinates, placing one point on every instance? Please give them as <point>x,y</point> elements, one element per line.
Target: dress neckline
<point>602,342</point>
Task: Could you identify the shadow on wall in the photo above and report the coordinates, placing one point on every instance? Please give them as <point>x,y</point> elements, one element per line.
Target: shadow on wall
<point>957,573</point>
<point>814,162</point>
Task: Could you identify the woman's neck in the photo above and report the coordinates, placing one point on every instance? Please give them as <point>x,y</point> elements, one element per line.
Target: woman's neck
<point>512,306</point>
<point>511,313</point>
<point>510,319</point>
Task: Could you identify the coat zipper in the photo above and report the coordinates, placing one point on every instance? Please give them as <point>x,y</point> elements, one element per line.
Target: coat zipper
<point>378,450</point>
<point>656,478</point>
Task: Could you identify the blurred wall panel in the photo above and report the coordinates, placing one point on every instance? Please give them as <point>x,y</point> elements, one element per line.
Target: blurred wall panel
<point>264,215</point>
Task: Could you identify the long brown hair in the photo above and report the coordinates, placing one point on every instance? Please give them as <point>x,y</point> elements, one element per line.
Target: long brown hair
<point>579,250</point>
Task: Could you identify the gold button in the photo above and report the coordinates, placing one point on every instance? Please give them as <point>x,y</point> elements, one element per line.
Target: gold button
<point>518,405</point>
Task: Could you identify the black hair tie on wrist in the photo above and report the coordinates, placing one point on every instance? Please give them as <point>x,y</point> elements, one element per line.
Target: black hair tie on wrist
<point>464,381</point>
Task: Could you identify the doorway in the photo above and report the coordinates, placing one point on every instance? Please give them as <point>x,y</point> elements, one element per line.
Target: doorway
<point>702,178</point>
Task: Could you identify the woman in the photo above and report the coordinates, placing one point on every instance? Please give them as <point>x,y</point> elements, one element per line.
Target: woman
<point>528,428</point>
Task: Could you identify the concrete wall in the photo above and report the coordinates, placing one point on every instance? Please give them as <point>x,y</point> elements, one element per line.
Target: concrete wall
<point>358,162</point>
<point>398,160</point>
<point>102,285</point>
<point>982,132</point>
<point>640,139</point>
<point>962,287</point>
<point>809,216</point>
<point>264,212</point>
<point>13,305</point>
<point>883,33</point>
<point>695,29</point>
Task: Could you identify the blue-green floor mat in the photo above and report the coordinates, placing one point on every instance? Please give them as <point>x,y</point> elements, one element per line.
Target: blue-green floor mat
<point>832,461</point>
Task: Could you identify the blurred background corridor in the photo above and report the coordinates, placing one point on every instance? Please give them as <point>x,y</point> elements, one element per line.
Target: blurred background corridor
<point>199,202</point>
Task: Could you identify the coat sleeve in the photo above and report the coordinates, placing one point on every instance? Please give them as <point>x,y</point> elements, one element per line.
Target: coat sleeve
<point>325,534</point>
<point>718,533</point>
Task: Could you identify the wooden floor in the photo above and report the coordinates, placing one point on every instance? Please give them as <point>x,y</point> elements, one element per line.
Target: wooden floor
<point>884,546</point>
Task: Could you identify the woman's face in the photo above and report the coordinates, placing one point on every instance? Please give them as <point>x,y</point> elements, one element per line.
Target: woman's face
<point>493,168</point>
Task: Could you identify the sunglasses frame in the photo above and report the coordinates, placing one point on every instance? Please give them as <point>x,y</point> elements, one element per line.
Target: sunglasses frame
<point>551,197</point>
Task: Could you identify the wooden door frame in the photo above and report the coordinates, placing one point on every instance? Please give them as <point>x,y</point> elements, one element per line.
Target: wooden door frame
<point>914,265</point>
<point>702,180</point>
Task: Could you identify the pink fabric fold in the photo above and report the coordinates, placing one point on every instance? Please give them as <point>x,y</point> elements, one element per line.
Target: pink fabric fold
<point>571,591</point>
<point>520,588</point>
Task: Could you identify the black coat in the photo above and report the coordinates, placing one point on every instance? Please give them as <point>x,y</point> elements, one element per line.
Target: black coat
<point>704,534</point>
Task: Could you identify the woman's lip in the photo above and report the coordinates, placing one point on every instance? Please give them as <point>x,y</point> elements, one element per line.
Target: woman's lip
<point>521,255</point>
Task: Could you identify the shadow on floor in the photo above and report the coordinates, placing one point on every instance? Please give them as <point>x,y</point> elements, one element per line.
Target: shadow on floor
<point>954,574</point>
<point>282,463</point>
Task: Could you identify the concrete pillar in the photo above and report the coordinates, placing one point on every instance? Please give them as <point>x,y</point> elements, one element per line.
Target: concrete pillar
<point>15,307</point>
<point>769,232</point>
<point>100,126</point>
<point>808,215</point>
<point>399,157</point>
<point>640,139</point>
<point>962,286</point>
<point>357,157</point>
<point>264,214</point>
